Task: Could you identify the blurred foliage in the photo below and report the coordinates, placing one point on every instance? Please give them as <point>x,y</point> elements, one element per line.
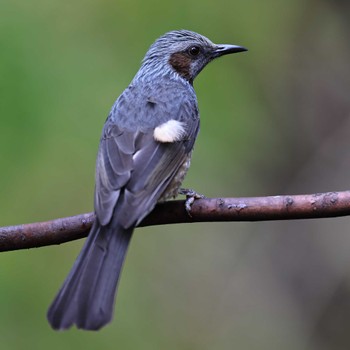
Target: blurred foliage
<point>274,120</point>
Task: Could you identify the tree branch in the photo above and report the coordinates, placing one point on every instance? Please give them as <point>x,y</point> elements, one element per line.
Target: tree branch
<point>320,205</point>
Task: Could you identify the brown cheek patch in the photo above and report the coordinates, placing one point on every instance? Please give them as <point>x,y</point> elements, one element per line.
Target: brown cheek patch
<point>181,63</point>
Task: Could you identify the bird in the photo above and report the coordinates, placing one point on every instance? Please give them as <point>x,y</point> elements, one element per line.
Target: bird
<point>144,153</point>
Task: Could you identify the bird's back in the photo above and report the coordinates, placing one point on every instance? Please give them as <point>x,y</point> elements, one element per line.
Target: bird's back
<point>147,103</point>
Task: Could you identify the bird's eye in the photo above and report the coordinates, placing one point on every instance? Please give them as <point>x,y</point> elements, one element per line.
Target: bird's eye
<point>194,50</point>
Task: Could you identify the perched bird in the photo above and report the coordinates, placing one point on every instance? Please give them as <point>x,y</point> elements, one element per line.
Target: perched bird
<point>144,153</point>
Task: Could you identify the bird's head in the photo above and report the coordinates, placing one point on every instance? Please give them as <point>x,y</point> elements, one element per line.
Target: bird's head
<point>185,53</point>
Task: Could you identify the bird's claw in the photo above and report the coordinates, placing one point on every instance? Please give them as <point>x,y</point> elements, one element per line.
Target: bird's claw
<point>191,196</point>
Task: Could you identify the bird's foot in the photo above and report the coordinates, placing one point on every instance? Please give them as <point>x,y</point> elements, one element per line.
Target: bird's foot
<point>191,196</point>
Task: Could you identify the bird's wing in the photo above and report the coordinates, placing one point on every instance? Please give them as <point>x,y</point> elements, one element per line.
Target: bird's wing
<point>133,170</point>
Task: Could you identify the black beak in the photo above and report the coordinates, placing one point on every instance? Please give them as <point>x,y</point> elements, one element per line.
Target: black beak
<point>222,50</point>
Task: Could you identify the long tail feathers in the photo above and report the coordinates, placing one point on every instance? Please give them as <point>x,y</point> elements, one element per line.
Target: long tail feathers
<point>88,293</point>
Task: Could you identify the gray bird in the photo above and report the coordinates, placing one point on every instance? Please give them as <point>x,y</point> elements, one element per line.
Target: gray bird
<point>144,153</point>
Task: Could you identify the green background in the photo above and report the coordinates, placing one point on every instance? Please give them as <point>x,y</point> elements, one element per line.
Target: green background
<point>274,120</point>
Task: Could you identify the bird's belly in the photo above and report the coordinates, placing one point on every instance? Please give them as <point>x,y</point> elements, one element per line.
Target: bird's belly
<point>172,190</point>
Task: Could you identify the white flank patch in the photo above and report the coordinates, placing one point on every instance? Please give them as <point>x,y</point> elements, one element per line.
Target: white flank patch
<point>171,131</point>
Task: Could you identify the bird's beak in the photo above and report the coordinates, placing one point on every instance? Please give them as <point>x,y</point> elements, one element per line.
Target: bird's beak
<point>221,50</point>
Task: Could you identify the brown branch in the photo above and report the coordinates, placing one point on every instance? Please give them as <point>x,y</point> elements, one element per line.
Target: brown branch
<point>320,205</point>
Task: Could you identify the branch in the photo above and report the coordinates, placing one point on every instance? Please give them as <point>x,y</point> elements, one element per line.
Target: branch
<point>312,206</point>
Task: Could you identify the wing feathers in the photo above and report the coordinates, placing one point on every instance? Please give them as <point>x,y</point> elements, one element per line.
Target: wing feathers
<point>134,170</point>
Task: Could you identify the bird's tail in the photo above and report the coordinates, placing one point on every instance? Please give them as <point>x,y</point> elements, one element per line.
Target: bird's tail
<point>88,293</point>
